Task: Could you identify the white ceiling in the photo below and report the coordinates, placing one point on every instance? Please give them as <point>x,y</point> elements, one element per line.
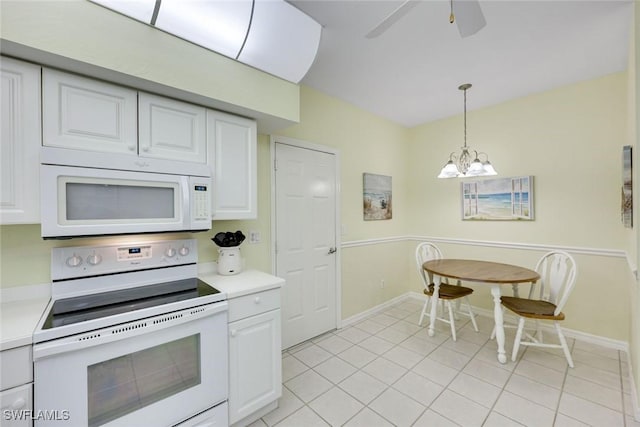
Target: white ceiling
<point>411,73</point>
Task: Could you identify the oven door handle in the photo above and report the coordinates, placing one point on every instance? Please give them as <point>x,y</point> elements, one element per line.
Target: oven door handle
<point>124,331</point>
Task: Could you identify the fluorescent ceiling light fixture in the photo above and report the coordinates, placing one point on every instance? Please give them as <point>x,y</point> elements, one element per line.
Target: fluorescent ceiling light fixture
<point>270,35</point>
<point>142,10</point>
<point>465,164</point>
<point>282,41</point>
<point>221,26</point>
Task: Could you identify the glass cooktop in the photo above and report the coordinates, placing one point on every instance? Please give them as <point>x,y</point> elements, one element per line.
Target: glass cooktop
<point>89,307</point>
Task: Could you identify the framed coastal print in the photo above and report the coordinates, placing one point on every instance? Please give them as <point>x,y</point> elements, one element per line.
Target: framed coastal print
<point>377,200</point>
<point>498,199</point>
<point>626,208</point>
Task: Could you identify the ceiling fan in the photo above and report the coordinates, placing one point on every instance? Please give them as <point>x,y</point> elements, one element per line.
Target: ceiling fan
<point>468,17</point>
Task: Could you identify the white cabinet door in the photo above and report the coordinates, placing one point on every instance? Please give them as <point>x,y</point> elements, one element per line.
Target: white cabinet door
<point>87,114</point>
<point>255,364</point>
<point>21,140</point>
<point>171,129</point>
<point>232,151</point>
<point>16,406</point>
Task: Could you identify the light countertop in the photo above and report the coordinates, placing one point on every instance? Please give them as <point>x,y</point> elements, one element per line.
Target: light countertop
<point>237,285</point>
<point>18,319</point>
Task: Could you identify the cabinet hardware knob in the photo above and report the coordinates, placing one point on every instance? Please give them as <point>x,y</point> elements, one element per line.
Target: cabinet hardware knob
<point>18,403</point>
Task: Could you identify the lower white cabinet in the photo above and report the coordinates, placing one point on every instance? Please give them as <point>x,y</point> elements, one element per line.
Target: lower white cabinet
<point>255,359</point>
<point>16,383</point>
<point>16,405</point>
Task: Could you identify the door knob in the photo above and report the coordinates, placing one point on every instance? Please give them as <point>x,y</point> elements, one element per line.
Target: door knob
<point>332,251</point>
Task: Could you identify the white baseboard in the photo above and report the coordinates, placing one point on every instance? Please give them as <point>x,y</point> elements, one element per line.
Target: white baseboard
<point>570,333</point>
<point>374,310</point>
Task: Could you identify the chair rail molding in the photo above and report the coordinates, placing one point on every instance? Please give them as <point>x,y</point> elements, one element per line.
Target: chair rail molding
<point>603,252</point>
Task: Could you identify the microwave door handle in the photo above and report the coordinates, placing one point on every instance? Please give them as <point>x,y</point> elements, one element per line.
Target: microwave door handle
<point>185,183</point>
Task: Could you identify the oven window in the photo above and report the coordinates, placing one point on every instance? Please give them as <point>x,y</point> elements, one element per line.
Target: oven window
<point>86,201</point>
<point>125,384</point>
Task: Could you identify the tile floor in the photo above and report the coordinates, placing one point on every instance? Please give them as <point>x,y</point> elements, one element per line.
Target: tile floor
<point>386,371</point>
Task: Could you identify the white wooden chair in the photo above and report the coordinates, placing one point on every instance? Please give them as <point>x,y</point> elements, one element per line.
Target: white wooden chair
<point>427,251</point>
<point>557,271</point>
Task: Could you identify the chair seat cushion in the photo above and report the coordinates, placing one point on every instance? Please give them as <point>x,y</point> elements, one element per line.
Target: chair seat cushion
<point>535,309</point>
<point>449,291</point>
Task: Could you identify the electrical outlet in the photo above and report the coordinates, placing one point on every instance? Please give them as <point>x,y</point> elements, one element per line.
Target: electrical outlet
<point>254,237</point>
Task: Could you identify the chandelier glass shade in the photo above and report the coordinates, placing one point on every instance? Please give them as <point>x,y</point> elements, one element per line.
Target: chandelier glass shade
<point>468,162</point>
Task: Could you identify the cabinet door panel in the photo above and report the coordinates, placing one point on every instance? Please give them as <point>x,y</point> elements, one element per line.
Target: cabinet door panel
<point>16,406</point>
<point>233,156</point>
<point>255,364</point>
<point>172,129</point>
<point>87,114</point>
<point>20,148</point>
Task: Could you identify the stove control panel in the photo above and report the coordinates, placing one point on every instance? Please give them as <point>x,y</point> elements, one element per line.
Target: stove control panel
<point>85,261</point>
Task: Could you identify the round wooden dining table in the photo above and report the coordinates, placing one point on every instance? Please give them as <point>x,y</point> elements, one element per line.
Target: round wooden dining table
<point>494,274</point>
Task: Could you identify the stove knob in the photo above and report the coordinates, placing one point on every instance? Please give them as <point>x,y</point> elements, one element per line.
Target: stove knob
<point>94,259</point>
<point>184,251</point>
<point>74,261</point>
<point>170,253</point>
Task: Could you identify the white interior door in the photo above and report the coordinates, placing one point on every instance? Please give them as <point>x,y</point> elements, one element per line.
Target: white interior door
<point>305,194</point>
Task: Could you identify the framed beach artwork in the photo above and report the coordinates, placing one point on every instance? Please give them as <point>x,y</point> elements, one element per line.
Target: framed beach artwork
<point>377,198</point>
<point>626,208</point>
<point>498,199</point>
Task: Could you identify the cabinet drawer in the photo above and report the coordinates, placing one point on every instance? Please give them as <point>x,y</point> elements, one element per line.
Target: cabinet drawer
<point>250,305</point>
<point>17,405</point>
<point>16,367</point>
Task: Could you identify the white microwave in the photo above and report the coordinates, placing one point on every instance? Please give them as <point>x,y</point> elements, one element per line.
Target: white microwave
<point>82,194</point>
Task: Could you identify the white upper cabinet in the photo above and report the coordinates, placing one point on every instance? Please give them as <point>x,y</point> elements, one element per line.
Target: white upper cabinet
<point>87,114</point>
<point>232,153</point>
<point>20,143</point>
<point>171,129</point>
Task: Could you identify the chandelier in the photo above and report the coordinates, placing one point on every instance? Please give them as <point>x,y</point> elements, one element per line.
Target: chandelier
<point>467,163</point>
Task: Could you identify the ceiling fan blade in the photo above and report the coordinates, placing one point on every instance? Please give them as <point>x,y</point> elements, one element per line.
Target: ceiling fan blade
<point>391,19</point>
<point>469,17</point>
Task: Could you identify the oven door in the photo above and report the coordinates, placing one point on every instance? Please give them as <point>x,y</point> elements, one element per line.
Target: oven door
<point>157,371</point>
